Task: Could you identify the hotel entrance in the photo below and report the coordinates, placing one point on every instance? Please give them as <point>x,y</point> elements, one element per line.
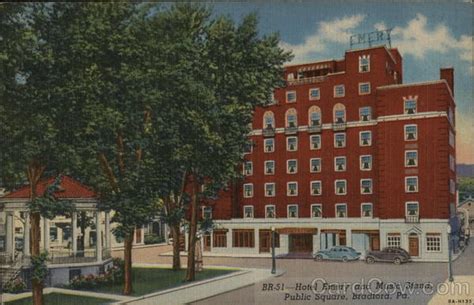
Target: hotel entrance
<point>301,243</point>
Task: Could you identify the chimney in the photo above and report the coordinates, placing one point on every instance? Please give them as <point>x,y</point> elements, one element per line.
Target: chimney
<point>448,75</point>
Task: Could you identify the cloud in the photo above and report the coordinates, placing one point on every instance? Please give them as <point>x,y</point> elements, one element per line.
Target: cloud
<point>334,31</point>
<point>464,139</point>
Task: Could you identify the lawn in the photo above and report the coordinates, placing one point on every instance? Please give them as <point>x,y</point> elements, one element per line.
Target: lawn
<point>148,280</point>
<point>63,299</point>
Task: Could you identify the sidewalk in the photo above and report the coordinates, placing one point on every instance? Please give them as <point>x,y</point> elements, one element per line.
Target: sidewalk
<point>461,291</point>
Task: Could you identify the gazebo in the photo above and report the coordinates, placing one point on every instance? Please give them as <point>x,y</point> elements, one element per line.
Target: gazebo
<point>77,243</point>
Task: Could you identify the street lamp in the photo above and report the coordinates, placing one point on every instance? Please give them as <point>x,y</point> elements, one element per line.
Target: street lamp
<point>450,264</point>
<point>273,251</point>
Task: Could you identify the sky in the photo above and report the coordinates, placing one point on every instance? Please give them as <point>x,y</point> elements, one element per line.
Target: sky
<point>428,35</point>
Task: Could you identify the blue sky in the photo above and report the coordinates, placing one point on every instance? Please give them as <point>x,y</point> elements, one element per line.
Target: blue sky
<point>429,36</point>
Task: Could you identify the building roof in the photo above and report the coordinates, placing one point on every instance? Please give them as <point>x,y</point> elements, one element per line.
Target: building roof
<point>466,201</point>
<point>70,188</point>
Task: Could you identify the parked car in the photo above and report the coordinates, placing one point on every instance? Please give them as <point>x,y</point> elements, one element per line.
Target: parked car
<point>390,254</point>
<point>338,253</point>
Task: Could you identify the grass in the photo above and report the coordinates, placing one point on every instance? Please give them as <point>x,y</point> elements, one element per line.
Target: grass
<point>63,299</point>
<point>148,280</point>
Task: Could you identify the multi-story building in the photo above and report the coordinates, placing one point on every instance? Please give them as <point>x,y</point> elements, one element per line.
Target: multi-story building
<point>346,155</point>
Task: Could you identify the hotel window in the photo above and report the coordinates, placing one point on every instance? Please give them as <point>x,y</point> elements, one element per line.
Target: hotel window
<point>219,238</point>
<point>292,211</point>
<point>339,113</point>
<point>316,211</point>
<point>316,188</point>
<point>364,63</point>
<point>270,211</point>
<point>292,189</point>
<point>411,184</point>
<point>207,212</point>
<point>433,242</point>
<point>339,91</point>
<point>315,165</point>
<point>340,140</point>
<point>248,147</point>
<point>451,115</point>
<point>364,88</point>
<point>341,187</point>
<point>248,168</point>
<point>273,100</point>
<point>269,167</point>
<point>248,211</point>
<point>394,240</point>
<point>365,138</point>
<point>366,186</point>
<point>291,143</point>
<point>314,114</point>
<point>291,96</point>
<point>411,132</point>
<point>292,166</point>
<point>410,106</point>
<point>291,118</point>
<point>412,209</point>
<point>452,186</point>
<point>366,163</point>
<point>452,140</point>
<point>411,158</point>
<point>243,238</point>
<point>365,114</point>
<point>270,189</point>
<point>315,142</point>
<point>452,163</point>
<point>314,94</point>
<point>367,210</point>
<point>290,76</point>
<point>269,145</point>
<point>340,164</point>
<point>248,190</point>
<point>268,120</point>
<point>341,210</point>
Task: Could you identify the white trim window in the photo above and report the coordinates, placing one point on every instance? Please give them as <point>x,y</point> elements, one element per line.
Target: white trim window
<point>248,190</point>
<point>452,186</point>
<point>207,212</point>
<point>339,140</point>
<point>270,211</point>
<point>316,210</point>
<point>411,158</point>
<point>412,209</point>
<point>365,138</point>
<point>292,188</point>
<point>269,145</point>
<point>366,186</point>
<point>366,163</point>
<point>364,88</point>
<point>269,167</point>
<point>268,120</point>
<point>433,242</point>
<point>452,163</point>
<point>314,115</point>
<point>411,184</point>
<point>340,187</point>
<point>341,210</point>
<point>339,91</point>
<point>366,210</point>
<point>394,240</point>
<point>292,166</point>
<point>339,112</point>
<point>364,63</point>
<point>315,142</point>
<point>411,132</point>
<point>410,106</point>
<point>314,94</point>
<point>452,139</point>
<point>291,143</point>
<point>291,96</point>
<point>270,189</point>
<point>292,211</point>
<point>248,147</point>
<point>248,168</point>
<point>340,164</point>
<point>316,188</point>
<point>315,165</point>
<point>365,113</point>
<point>248,211</point>
<point>291,118</point>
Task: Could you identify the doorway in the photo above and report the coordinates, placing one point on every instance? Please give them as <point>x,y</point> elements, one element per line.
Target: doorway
<point>301,243</point>
<point>413,245</point>
<point>265,241</point>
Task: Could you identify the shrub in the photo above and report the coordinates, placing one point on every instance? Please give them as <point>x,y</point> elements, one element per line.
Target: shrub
<point>15,285</point>
<point>153,239</point>
<point>112,276</point>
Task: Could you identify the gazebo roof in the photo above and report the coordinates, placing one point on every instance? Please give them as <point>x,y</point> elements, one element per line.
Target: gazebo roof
<point>70,188</point>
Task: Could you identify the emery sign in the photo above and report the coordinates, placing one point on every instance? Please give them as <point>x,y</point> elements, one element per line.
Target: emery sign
<point>371,37</point>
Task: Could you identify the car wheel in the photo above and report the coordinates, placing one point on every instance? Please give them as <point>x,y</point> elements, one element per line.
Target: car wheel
<point>318,257</point>
<point>345,259</point>
<point>397,261</point>
<point>370,260</point>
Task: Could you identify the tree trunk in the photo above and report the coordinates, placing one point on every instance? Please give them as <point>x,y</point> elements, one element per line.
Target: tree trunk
<point>191,271</point>
<point>176,245</point>
<point>127,288</point>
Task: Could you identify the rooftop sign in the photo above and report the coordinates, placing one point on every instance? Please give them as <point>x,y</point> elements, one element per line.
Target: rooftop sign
<point>371,37</point>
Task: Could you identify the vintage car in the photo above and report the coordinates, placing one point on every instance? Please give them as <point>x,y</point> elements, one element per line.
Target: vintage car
<point>339,253</point>
<point>389,254</point>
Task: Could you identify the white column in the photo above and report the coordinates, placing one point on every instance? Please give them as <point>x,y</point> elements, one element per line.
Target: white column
<point>74,233</point>
<point>349,237</point>
<point>166,232</point>
<point>229,239</point>
<point>26,236</point>
<point>98,242</point>
<point>107,233</point>
<point>10,235</point>
<point>46,238</point>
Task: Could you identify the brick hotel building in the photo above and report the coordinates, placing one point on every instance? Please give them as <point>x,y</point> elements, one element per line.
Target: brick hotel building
<point>346,154</point>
